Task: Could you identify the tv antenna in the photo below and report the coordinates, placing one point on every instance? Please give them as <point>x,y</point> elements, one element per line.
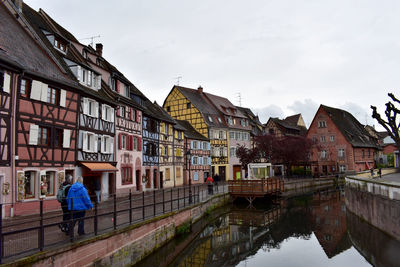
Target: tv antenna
<point>178,79</point>
<point>239,97</point>
<point>91,39</point>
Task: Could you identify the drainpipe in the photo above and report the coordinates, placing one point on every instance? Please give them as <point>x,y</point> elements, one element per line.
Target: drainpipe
<point>173,156</point>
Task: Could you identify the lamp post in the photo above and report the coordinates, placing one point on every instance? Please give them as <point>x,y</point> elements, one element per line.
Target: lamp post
<point>189,159</point>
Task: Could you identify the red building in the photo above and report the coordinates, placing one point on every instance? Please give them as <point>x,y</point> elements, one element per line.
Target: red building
<point>341,143</point>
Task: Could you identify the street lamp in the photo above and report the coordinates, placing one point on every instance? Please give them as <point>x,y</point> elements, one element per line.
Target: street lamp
<point>189,159</point>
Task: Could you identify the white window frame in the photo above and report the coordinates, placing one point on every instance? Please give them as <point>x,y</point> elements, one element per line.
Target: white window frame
<point>107,144</point>
<point>107,113</point>
<point>89,142</point>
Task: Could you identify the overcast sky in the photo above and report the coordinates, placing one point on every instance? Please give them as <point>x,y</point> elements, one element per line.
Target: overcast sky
<point>282,57</point>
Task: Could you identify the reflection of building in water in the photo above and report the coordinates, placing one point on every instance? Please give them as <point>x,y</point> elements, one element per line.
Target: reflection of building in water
<point>232,238</point>
<point>329,215</point>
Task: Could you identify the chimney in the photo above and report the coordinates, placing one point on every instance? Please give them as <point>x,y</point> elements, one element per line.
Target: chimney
<point>18,4</point>
<point>99,49</point>
<point>200,89</point>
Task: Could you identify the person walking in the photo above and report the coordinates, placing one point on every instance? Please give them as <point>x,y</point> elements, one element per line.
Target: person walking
<point>62,198</point>
<point>97,189</point>
<point>79,201</point>
<point>210,185</point>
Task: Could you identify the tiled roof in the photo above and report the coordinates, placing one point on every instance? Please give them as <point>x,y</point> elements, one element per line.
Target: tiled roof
<point>163,114</point>
<point>253,120</point>
<point>190,132</point>
<point>350,127</point>
<point>225,106</point>
<point>292,120</point>
<point>19,49</point>
<point>203,104</point>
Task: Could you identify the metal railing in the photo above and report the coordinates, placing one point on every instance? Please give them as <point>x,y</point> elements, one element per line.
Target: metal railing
<point>26,235</point>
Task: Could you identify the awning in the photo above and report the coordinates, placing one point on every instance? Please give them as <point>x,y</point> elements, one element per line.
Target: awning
<point>99,166</point>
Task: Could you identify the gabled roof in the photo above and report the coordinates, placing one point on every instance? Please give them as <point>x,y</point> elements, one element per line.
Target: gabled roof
<point>225,106</point>
<point>163,114</point>
<point>203,104</point>
<point>190,132</point>
<point>350,127</point>
<point>254,121</point>
<point>19,49</point>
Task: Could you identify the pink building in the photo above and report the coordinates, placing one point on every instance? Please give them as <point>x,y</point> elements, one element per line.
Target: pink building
<point>341,143</point>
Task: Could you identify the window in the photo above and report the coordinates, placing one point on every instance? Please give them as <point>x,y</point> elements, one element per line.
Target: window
<point>237,136</point>
<point>124,141</point>
<point>195,160</point>
<point>210,119</point>
<point>243,122</point>
<point>205,146</point>
<point>90,141</point>
<point>44,136</point>
<point>126,91</point>
<point>166,151</point>
<point>179,152</point>
<point>122,111</point>
<point>195,176</point>
<point>231,135</point>
<point>219,119</point>
<point>90,78</point>
<point>230,122</point>
<point>341,153</point>
<point>47,183</point>
<point>323,154</point>
<point>221,135</point>
<point>126,175</point>
<point>29,184</point>
<point>53,96</point>
<point>188,105</point>
<point>135,143</point>
<point>60,45</point>
<point>232,152</point>
<point>24,87</point>
<point>332,138</point>
<point>83,75</point>
<point>107,144</point>
<point>107,113</point>
<point>322,139</point>
<point>205,160</point>
<point>322,124</point>
<point>58,137</point>
<point>178,172</point>
<point>167,174</point>
<point>84,54</point>
<point>168,109</point>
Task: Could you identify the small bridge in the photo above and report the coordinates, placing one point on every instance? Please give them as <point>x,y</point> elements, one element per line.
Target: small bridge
<point>252,189</point>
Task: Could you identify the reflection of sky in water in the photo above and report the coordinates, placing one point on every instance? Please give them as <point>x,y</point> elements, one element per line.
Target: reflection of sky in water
<point>300,252</point>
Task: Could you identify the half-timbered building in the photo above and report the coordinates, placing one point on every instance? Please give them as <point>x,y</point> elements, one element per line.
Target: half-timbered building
<point>96,119</point>
<point>197,155</point>
<point>150,150</point>
<point>128,121</point>
<point>257,128</point>
<point>42,125</point>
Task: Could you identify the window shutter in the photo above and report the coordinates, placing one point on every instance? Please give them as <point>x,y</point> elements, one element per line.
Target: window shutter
<point>131,142</point>
<point>96,112</point>
<point>209,160</point>
<point>62,98</point>
<point>7,83</point>
<point>36,90</point>
<point>67,138</point>
<point>208,146</point>
<point>103,112</point>
<point>132,110</point>
<point>200,160</point>
<point>112,114</point>
<point>191,144</point>
<point>98,78</point>
<point>224,134</point>
<point>95,143</point>
<point>85,141</point>
<point>117,85</point>
<point>140,144</point>
<point>137,116</point>
<point>43,96</point>
<point>33,134</point>
<point>119,111</point>
<point>225,151</point>
<point>192,159</point>
<point>85,106</point>
<point>79,73</point>
<point>111,145</point>
<point>119,141</point>
<point>102,146</point>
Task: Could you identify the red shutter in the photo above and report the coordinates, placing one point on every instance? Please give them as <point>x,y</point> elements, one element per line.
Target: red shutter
<point>117,85</point>
<point>119,141</point>
<point>139,144</point>
<point>130,142</point>
<point>137,116</point>
<point>132,114</point>
<point>118,110</point>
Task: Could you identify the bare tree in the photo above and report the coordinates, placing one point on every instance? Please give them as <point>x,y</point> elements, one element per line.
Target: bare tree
<point>391,125</point>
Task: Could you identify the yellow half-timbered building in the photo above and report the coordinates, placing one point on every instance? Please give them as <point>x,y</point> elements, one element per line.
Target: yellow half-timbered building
<point>193,106</point>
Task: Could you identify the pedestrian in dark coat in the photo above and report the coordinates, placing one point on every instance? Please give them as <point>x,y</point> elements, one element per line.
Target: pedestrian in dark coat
<point>79,201</point>
<point>210,185</point>
<point>64,205</point>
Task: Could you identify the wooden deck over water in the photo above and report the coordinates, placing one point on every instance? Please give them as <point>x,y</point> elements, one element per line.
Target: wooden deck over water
<point>251,189</point>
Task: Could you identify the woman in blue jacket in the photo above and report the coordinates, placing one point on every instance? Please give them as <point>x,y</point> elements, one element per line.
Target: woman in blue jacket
<point>79,201</point>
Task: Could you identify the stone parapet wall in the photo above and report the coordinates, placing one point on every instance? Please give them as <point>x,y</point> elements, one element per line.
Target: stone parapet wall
<point>385,189</point>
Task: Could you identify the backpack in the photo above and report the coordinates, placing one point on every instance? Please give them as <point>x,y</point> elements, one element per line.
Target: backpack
<point>61,193</point>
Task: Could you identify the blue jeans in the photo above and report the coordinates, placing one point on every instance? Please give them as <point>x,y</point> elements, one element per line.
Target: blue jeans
<point>97,196</point>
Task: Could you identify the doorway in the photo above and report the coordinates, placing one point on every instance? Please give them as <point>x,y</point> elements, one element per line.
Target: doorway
<point>161,179</point>
<point>155,183</point>
<point>222,173</point>
<point>148,181</point>
<point>237,172</point>
<point>138,182</point>
<point>111,184</point>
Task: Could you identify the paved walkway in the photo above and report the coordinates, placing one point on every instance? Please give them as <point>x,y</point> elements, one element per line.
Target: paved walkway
<point>388,175</point>
<point>26,235</point>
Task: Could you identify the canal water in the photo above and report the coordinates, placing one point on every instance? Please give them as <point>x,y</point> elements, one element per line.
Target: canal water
<point>309,230</point>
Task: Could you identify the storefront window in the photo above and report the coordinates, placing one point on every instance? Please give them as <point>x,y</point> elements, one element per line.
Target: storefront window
<point>126,173</point>
<point>29,184</point>
<point>47,182</point>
